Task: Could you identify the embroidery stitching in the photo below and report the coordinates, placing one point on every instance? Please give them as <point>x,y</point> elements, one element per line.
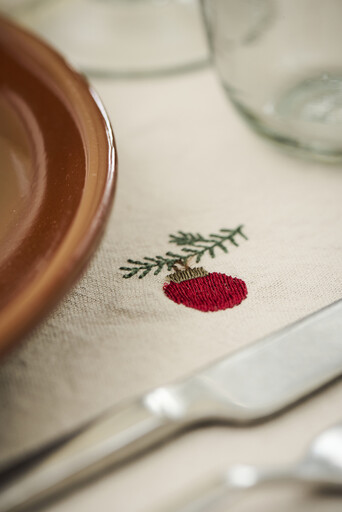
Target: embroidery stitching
<point>193,245</point>
<point>212,292</point>
<point>189,273</point>
<point>194,287</point>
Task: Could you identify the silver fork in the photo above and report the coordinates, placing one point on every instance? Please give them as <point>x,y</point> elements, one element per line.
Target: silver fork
<point>320,467</point>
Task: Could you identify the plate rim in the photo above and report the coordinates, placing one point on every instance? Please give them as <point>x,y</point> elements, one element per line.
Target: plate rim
<point>44,292</point>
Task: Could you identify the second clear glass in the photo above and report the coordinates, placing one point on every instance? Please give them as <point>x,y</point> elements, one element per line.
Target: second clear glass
<point>121,37</point>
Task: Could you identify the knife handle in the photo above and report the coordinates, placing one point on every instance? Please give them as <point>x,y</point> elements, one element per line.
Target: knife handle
<point>112,438</point>
<point>109,440</point>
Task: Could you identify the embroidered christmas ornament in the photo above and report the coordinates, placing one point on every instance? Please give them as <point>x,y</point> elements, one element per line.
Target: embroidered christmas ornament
<point>195,287</point>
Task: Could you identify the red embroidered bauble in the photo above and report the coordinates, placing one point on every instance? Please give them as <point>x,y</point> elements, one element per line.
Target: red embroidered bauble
<point>198,289</point>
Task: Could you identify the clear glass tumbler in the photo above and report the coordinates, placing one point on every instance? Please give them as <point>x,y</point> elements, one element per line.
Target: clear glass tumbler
<point>280,62</point>
<point>120,37</point>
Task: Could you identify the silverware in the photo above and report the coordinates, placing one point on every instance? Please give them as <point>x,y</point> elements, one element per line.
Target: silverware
<point>251,385</point>
<point>320,467</point>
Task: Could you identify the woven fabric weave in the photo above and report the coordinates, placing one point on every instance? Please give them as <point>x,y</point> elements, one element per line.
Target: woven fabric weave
<point>186,161</point>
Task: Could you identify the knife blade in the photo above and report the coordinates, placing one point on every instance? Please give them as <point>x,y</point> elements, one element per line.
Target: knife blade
<point>250,385</point>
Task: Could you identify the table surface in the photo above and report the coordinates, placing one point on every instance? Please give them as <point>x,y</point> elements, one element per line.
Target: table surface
<point>186,162</point>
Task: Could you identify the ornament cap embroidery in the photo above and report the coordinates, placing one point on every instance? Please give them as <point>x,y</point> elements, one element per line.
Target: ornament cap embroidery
<point>195,287</point>
<point>188,273</point>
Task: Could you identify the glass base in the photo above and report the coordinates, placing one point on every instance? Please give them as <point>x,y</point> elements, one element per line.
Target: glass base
<point>306,118</point>
<point>122,37</point>
<point>316,100</point>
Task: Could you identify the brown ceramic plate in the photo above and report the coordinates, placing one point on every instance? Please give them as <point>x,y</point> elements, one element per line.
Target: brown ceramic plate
<point>57,179</point>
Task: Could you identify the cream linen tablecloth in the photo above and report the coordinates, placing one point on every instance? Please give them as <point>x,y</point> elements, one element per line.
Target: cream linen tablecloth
<point>187,162</point>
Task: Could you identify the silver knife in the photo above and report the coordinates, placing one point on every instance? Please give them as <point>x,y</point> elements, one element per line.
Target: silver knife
<point>250,385</point>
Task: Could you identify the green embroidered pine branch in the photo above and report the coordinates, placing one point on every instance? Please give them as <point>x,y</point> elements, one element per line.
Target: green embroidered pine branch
<point>157,263</point>
<point>193,245</point>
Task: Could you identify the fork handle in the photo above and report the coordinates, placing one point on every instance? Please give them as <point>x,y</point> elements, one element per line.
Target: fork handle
<point>228,488</point>
<point>201,498</point>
